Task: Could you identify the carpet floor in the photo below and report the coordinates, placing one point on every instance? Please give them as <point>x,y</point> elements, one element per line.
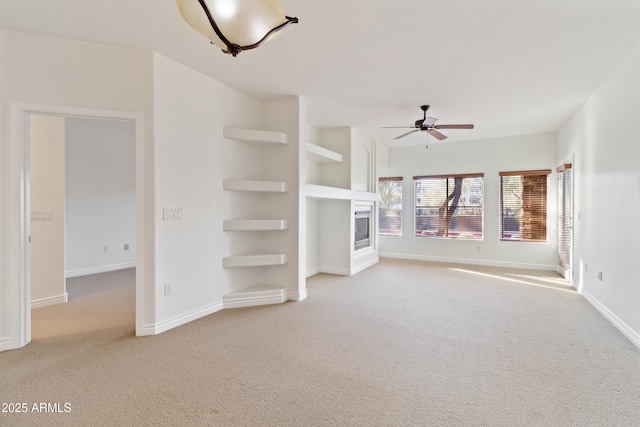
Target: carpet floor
<point>403,343</point>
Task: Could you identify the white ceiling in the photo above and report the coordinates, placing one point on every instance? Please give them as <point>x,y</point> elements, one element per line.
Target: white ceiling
<point>509,66</point>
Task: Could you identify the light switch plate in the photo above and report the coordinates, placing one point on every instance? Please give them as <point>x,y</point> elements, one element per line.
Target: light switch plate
<point>42,215</point>
<point>172,214</point>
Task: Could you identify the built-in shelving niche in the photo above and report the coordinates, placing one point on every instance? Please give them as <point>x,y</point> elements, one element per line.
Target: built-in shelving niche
<point>256,137</point>
<point>256,259</point>
<point>262,293</point>
<point>323,156</point>
<point>320,154</point>
<point>340,174</point>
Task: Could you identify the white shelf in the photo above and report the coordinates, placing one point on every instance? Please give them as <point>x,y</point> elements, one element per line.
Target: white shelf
<point>259,186</point>
<point>260,294</point>
<point>257,259</point>
<point>256,137</point>
<point>320,154</point>
<point>254,224</point>
<point>323,192</point>
<point>365,196</point>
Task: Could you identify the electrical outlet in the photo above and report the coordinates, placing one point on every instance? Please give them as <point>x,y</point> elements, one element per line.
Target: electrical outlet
<point>167,288</point>
<point>126,246</point>
<point>105,248</point>
<point>600,275</point>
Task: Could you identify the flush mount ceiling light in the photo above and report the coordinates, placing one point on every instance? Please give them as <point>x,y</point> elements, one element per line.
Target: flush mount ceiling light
<point>235,25</point>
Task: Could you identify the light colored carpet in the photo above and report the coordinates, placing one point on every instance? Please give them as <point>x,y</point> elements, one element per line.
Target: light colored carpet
<point>403,343</point>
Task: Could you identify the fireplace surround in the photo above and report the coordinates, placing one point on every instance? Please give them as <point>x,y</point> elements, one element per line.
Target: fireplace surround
<point>362,229</point>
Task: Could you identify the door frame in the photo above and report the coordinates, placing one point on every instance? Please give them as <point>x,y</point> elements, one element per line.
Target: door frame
<point>571,270</point>
<point>19,231</point>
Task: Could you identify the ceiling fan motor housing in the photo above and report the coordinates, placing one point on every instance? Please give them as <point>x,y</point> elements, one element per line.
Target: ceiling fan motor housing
<point>428,124</point>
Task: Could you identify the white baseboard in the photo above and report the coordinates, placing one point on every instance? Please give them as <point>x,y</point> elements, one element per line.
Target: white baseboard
<point>45,302</point>
<point>297,296</point>
<point>468,261</point>
<point>158,328</point>
<point>313,271</point>
<point>100,269</point>
<point>260,294</point>
<point>365,265</point>
<point>338,271</point>
<point>5,344</point>
<point>343,271</point>
<point>633,336</point>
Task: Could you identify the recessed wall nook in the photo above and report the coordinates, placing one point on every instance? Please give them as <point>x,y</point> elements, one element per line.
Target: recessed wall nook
<point>292,217</point>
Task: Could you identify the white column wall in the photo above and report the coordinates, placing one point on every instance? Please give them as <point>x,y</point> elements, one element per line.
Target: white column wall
<point>47,147</point>
<point>490,156</point>
<point>191,160</point>
<point>602,139</point>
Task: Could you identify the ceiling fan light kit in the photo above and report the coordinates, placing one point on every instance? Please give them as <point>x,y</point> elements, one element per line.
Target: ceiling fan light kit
<point>235,25</point>
<point>428,124</point>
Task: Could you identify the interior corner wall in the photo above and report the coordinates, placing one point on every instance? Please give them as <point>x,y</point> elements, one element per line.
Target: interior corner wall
<point>100,190</point>
<point>602,140</point>
<point>192,159</point>
<point>489,156</point>
<point>47,167</point>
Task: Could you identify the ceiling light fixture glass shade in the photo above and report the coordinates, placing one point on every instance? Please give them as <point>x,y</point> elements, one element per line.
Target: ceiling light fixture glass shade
<point>235,25</point>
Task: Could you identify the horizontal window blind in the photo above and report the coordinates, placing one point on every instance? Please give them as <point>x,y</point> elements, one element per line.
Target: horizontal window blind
<point>449,206</point>
<point>390,206</point>
<point>523,205</point>
<point>565,216</point>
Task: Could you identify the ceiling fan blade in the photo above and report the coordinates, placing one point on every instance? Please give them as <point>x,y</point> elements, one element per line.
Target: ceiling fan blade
<point>429,121</point>
<point>397,127</point>
<point>405,134</point>
<point>453,126</point>
<point>436,134</point>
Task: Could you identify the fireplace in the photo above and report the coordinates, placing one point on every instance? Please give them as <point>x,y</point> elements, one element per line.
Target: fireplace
<point>362,229</point>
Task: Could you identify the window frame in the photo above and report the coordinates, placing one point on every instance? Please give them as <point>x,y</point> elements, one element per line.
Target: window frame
<point>380,216</point>
<point>448,233</point>
<point>501,216</point>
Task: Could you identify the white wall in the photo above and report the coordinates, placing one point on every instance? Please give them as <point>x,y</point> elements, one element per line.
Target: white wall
<point>192,158</point>
<point>100,191</point>
<point>5,294</point>
<point>59,72</point>
<point>314,238</point>
<point>491,156</point>
<point>46,140</point>
<point>288,115</point>
<point>363,164</point>
<point>603,139</point>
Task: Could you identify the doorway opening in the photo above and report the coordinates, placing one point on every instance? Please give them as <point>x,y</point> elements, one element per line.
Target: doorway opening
<point>83,218</point>
<point>20,289</point>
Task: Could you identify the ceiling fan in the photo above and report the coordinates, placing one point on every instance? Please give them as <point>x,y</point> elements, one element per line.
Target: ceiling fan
<point>428,124</point>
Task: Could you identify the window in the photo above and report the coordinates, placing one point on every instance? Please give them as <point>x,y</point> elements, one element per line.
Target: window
<point>565,217</point>
<point>523,205</point>
<point>390,206</point>
<point>449,206</point>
